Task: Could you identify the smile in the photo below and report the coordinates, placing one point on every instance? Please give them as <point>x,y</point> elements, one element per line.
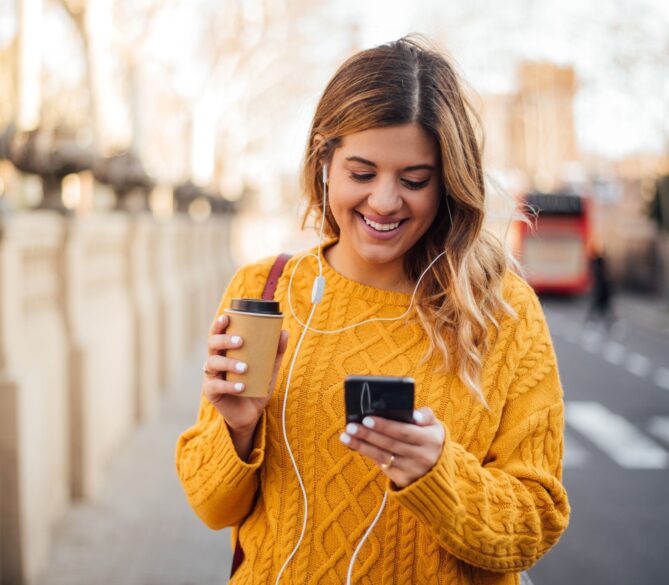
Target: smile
<point>380,227</point>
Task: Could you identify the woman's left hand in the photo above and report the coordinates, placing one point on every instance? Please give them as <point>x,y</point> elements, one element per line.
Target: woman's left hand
<point>403,451</point>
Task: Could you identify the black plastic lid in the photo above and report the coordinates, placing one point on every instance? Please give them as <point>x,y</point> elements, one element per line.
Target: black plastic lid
<point>256,306</point>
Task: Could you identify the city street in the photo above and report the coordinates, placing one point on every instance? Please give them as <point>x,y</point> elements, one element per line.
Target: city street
<point>617,441</point>
<point>141,531</point>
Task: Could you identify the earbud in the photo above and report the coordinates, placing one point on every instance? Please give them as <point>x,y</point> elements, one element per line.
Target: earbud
<point>325,173</point>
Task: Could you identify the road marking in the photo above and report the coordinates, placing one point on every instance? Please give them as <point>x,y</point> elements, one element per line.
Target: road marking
<point>615,436</point>
<point>662,378</point>
<point>659,426</point>
<point>614,353</point>
<point>638,364</point>
<point>575,455</point>
<point>571,331</point>
<point>591,340</point>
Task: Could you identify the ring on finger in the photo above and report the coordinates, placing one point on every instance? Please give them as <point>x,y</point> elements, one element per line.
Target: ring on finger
<point>388,464</point>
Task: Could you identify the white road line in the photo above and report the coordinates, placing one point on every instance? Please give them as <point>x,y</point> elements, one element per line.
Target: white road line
<point>525,579</point>
<point>591,340</point>
<point>614,352</point>
<point>571,331</point>
<point>662,378</point>
<point>619,439</point>
<point>638,364</point>
<point>575,455</point>
<point>659,426</point>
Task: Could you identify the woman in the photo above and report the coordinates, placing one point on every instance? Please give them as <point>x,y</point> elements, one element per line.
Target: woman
<point>474,492</point>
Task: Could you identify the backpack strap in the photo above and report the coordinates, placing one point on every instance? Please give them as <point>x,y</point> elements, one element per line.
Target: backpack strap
<point>267,295</point>
<point>274,275</point>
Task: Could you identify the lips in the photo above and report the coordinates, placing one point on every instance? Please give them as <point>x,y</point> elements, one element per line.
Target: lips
<point>381,224</point>
<point>385,229</point>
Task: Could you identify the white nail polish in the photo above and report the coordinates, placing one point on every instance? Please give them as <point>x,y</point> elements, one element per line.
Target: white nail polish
<point>344,438</point>
<point>368,422</point>
<point>236,339</point>
<point>418,416</point>
<point>239,386</point>
<point>220,319</point>
<point>351,429</point>
<point>240,367</point>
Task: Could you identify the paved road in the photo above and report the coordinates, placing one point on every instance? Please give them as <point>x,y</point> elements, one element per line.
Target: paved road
<point>617,449</point>
<point>141,531</point>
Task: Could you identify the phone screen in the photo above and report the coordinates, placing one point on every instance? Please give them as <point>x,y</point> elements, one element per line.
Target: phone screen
<point>384,396</point>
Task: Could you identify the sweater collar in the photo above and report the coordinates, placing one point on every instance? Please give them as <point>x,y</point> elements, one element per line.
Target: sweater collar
<point>335,280</point>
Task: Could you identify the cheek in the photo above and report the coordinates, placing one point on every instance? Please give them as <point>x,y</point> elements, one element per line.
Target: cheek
<point>427,208</point>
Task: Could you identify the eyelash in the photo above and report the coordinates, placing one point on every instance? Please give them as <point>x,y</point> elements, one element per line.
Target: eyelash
<point>413,185</point>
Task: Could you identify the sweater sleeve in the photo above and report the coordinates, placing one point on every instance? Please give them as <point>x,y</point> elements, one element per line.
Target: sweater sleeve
<point>220,486</point>
<point>504,513</point>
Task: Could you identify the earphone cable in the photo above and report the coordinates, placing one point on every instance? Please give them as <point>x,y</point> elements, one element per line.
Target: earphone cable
<point>290,451</point>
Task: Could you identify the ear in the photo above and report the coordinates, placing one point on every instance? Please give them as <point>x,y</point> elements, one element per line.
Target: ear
<point>317,142</point>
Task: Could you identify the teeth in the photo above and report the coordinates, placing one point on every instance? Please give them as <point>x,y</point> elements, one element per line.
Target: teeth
<point>381,227</point>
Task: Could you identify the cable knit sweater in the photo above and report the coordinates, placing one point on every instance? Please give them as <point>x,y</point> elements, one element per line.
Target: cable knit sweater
<point>490,507</point>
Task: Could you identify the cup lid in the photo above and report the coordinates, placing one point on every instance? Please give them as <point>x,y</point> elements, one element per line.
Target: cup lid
<point>256,306</point>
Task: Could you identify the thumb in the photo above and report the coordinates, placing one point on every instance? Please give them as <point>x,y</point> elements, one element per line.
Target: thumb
<point>424,417</point>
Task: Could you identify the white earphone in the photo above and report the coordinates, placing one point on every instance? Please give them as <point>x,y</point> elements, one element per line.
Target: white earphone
<point>317,292</point>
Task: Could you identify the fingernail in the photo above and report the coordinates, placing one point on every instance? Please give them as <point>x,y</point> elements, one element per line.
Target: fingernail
<point>236,339</point>
<point>368,422</point>
<point>220,319</point>
<point>418,416</point>
<point>241,367</point>
<point>344,438</point>
<point>351,429</point>
<point>239,386</point>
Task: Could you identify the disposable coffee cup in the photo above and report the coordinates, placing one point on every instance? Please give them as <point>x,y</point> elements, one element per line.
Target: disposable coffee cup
<point>258,323</point>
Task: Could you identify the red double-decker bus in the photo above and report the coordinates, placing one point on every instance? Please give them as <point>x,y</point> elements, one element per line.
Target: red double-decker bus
<point>554,250</point>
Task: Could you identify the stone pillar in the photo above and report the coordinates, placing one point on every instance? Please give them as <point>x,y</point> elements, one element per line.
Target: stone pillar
<point>34,414</point>
<point>171,300</point>
<point>102,346</point>
<point>142,259</point>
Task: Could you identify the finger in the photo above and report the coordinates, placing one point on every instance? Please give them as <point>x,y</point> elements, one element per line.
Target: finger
<point>424,416</point>
<point>214,390</point>
<point>221,342</point>
<point>216,364</point>
<point>383,442</point>
<point>219,324</point>
<point>399,431</point>
<point>376,454</point>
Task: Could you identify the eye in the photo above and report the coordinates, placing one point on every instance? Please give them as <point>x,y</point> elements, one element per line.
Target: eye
<point>362,177</point>
<point>415,185</point>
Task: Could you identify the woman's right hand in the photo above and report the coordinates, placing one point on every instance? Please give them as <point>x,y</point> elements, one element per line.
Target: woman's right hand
<point>240,413</point>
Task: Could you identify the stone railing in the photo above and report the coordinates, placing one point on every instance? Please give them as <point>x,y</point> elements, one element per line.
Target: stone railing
<point>97,315</point>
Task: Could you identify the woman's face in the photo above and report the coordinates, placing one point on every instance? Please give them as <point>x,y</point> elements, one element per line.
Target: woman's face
<point>383,190</point>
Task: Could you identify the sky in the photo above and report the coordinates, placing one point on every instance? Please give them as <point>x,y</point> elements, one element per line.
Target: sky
<point>619,49</point>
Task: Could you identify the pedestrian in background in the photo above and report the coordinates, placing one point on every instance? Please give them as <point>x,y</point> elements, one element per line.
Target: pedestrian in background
<point>601,300</point>
<point>473,485</point>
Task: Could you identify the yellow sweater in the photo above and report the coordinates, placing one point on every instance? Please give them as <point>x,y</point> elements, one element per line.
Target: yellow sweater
<point>491,506</point>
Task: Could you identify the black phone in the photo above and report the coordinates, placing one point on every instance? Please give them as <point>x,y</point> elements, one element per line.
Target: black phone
<point>384,396</point>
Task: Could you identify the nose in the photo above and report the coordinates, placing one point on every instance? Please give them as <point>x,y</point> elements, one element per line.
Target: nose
<point>385,198</point>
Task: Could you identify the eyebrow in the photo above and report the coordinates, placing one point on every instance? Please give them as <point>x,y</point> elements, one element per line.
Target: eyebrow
<point>372,164</point>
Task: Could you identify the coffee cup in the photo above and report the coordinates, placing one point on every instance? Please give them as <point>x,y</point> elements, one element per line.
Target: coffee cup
<point>258,323</point>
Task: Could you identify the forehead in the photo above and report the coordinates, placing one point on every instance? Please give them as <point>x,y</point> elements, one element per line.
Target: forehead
<point>405,145</point>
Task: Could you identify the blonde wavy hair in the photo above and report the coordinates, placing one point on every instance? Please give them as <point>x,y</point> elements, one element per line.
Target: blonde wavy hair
<point>403,82</point>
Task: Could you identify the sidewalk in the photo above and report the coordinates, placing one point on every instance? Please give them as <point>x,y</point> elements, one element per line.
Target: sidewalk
<point>141,530</point>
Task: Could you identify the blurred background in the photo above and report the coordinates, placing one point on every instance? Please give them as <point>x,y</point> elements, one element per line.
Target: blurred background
<point>148,147</point>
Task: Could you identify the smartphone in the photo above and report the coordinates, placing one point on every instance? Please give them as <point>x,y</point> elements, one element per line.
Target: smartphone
<point>384,396</point>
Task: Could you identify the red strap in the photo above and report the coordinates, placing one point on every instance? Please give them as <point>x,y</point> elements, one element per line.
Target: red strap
<point>267,295</point>
<point>274,275</point>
